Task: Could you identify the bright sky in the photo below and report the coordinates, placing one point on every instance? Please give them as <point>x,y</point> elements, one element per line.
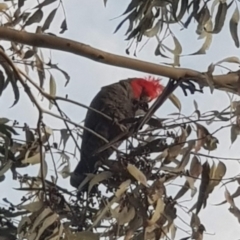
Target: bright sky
<point>89,22</point>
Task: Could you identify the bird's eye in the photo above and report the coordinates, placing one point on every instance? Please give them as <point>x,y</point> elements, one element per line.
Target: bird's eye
<point>143,106</point>
<point>135,102</point>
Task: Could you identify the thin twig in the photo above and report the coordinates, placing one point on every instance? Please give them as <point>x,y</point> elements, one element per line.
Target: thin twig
<point>53,98</point>
<point>41,150</point>
<point>69,130</point>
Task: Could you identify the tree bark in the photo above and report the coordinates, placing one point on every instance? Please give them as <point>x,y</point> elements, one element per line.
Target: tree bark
<point>228,82</point>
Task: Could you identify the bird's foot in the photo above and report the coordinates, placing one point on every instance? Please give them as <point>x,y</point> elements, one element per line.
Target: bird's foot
<point>121,126</point>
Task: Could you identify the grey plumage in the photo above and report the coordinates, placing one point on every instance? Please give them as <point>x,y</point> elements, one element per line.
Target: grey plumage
<point>116,101</point>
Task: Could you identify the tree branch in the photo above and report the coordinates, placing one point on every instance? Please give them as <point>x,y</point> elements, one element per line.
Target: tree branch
<point>227,82</point>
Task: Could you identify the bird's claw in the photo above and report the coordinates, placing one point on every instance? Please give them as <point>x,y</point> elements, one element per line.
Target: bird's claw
<point>121,126</point>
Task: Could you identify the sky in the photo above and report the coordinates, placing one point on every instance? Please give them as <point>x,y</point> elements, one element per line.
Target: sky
<point>91,23</point>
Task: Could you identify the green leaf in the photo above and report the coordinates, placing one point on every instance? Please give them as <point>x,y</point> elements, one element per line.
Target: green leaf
<point>233,25</point>
<point>5,167</point>
<point>10,129</point>
<point>29,135</point>
<point>28,54</point>
<point>220,17</point>
<point>40,70</point>
<point>20,3</point>
<point>35,18</point>
<point>49,20</point>
<point>173,98</point>
<point>234,132</point>
<point>2,82</point>
<point>4,120</point>
<point>55,66</point>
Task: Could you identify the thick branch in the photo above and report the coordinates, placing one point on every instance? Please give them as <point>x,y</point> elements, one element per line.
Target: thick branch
<point>228,81</point>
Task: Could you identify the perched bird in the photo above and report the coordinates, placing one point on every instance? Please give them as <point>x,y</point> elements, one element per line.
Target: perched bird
<point>118,101</point>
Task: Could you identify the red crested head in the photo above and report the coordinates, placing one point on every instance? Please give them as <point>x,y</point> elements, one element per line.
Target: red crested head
<point>146,88</point>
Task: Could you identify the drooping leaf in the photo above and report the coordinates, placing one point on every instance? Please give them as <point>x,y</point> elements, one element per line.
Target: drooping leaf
<point>202,18</point>
<point>157,212</point>
<point>209,77</point>
<point>122,188</point>
<point>123,215</point>
<point>2,82</point>
<point>43,169</point>
<point>191,176</point>
<point>65,172</point>
<point>235,211</point>
<point>137,174</point>
<point>131,18</point>
<point>5,167</point>
<point>63,26</point>
<point>49,20</point>
<point>220,17</point>
<point>45,3</point>
<point>28,54</point>
<point>203,195</point>
<point>175,6</point>
<point>233,25</point>
<point>7,130</point>
<point>228,197</point>
<point>195,105</point>
<point>40,70</point>
<point>203,137</point>
<point>52,89</point>
<point>35,159</point>
<point>98,178</point>
<point>20,3</point>
<point>208,39</point>
<point>47,132</point>
<point>35,18</point>
<point>29,135</point>
<point>234,195</point>
<point>153,31</point>
<point>12,78</point>
<point>216,175</point>
<point>235,130</point>
<point>105,2</point>
<point>175,101</point>
<point>48,221</point>
<point>55,66</point>
<point>64,137</point>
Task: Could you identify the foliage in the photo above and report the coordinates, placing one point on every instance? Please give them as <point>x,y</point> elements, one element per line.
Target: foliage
<point>156,19</point>
<point>136,204</point>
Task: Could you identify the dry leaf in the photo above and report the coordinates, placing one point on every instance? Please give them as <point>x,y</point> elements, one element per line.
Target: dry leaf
<point>229,198</point>
<point>98,178</point>
<point>52,89</point>
<point>122,188</point>
<point>157,212</point>
<point>137,174</point>
<point>32,207</point>
<point>123,215</point>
